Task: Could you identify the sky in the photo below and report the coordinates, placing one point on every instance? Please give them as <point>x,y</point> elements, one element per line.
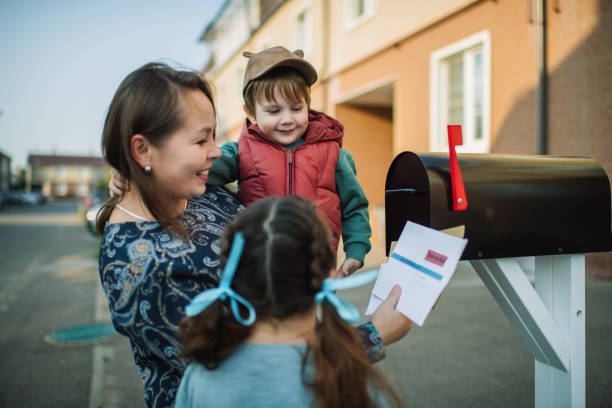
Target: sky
<point>62,60</point>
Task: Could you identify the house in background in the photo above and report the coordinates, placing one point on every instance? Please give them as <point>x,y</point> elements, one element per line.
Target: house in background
<point>62,176</point>
<point>395,72</point>
<point>227,34</point>
<point>5,176</point>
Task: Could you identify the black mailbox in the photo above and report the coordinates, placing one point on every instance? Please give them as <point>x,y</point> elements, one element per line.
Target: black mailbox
<point>518,205</point>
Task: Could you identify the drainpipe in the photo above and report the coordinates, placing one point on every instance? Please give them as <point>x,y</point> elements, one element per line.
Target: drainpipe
<point>325,49</point>
<point>542,90</point>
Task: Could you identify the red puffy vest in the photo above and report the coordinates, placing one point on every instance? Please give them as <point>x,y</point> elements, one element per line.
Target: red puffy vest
<point>267,168</point>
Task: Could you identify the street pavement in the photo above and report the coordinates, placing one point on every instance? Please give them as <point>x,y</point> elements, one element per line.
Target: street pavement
<point>466,355</point>
<point>49,281</point>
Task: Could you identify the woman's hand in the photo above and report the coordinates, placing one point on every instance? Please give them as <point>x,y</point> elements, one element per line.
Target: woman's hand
<point>391,324</point>
<point>117,186</point>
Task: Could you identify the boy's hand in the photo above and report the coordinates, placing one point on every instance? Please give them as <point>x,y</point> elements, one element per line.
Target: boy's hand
<point>349,266</point>
<point>117,185</point>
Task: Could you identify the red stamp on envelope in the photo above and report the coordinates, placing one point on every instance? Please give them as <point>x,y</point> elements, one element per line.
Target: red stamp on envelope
<point>435,258</point>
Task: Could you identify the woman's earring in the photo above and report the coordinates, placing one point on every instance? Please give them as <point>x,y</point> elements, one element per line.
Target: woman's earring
<point>147,168</point>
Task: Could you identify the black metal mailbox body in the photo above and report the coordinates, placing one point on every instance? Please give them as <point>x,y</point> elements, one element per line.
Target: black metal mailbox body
<point>518,205</point>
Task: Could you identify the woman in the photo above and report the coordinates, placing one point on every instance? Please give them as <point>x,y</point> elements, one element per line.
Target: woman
<point>160,239</point>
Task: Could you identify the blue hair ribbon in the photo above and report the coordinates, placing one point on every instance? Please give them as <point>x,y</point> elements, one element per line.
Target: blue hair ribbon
<point>346,311</point>
<point>224,291</point>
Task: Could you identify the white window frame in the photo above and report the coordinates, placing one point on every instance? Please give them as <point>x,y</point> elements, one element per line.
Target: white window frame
<point>306,6</point>
<point>480,41</point>
<point>350,22</point>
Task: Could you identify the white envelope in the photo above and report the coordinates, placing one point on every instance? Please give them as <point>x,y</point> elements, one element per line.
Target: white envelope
<point>422,263</point>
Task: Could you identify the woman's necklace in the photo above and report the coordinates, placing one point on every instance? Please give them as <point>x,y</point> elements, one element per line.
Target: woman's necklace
<point>125,210</point>
<point>138,217</point>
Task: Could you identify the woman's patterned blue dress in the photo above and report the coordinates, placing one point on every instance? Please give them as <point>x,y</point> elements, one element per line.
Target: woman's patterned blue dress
<point>149,277</point>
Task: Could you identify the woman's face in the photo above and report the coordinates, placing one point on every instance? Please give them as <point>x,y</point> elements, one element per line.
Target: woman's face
<point>181,164</point>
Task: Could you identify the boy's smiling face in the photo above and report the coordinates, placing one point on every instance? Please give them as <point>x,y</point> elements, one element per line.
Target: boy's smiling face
<point>281,120</point>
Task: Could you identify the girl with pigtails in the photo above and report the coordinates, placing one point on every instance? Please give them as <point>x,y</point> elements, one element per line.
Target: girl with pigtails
<point>274,333</point>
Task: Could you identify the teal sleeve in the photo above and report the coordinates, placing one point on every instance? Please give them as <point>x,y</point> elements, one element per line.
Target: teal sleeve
<point>225,169</point>
<point>356,229</point>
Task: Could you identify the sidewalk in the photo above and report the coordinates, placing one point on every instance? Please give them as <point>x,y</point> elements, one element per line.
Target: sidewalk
<point>115,382</point>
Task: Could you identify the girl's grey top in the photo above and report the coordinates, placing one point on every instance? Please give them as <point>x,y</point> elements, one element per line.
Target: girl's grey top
<point>255,375</point>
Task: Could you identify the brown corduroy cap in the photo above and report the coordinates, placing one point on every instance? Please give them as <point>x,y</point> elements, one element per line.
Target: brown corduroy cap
<point>263,62</point>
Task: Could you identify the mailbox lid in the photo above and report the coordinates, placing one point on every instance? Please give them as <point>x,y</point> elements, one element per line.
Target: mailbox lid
<point>518,205</point>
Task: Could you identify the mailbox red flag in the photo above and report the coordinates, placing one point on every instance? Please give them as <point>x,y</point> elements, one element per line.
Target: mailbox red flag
<point>456,139</point>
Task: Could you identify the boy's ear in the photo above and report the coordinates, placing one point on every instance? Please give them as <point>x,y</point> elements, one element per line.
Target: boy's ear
<point>249,115</point>
<point>141,150</point>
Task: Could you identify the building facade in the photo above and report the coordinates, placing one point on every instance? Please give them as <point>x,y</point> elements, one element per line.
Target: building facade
<point>61,176</point>
<point>519,78</point>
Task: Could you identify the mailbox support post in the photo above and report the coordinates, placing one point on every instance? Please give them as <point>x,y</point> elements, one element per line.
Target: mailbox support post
<point>560,282</point>
<point>549,318</point>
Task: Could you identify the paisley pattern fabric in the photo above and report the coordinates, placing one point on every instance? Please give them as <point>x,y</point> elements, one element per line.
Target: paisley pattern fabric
<point>369,336</point>
<point>149,277</point>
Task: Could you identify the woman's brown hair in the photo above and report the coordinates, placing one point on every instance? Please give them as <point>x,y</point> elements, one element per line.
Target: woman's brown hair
<point>147,102</point>
<point>286,257</point>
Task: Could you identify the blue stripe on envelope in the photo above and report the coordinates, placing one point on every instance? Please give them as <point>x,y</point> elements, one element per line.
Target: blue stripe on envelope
<point>416,266</point>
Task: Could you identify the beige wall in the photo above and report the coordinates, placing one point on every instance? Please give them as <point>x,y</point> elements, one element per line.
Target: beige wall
<point>393,21</point>
<point>513,71</point>
<point>278,30</point>
<point>395,18</point>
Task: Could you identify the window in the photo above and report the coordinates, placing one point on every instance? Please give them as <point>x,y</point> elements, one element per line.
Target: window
<point>357,12</point>
<point>82,189</point>
<point>460,93</point>
<point>60,171</point>
<point>302,34</point>
<point>84,172</point>
<point>60,189</point>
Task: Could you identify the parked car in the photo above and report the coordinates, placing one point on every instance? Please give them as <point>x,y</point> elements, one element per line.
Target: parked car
<point>95,197</point>
<point>33,198</point>
<point>91,215</point>
<point>20,197</point>
<point>39,196</point>
<point>14,197</point>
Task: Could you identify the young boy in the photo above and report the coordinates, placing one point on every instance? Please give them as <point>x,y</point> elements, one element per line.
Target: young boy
<point>285,148</point>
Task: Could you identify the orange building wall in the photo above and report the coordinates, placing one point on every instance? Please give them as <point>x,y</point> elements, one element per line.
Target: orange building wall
<point>368,136</point>
<point>580,91</point>
<point>513,72</point>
